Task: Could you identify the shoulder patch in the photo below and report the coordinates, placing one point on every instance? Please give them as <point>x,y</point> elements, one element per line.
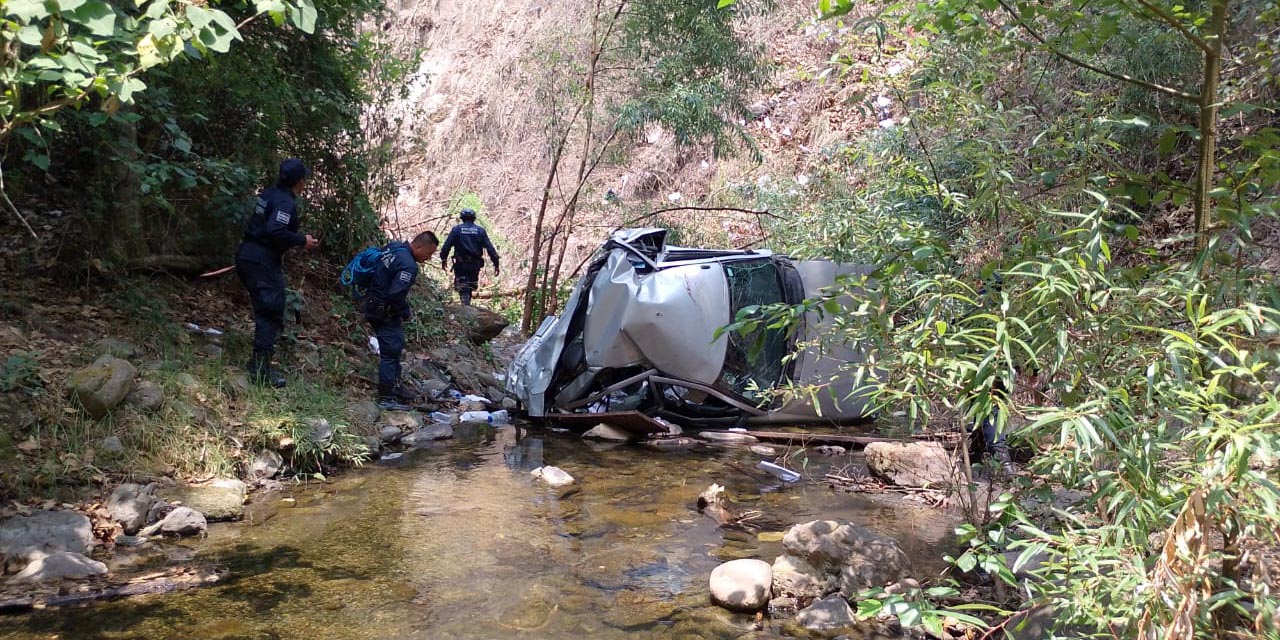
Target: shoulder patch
<point>405,276</point>
<point>282,216</point>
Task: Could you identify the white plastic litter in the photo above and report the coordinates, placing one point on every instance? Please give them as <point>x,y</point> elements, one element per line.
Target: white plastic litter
<point>500,417</point>
<point>473,398</point>
<point>780,472</point>
<point>373,345</point>
<point>475,416</point>
<point>442,417</point>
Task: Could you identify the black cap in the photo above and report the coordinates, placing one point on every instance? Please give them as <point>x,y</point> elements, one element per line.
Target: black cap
<point>291,171</point>
<point>468,214</point>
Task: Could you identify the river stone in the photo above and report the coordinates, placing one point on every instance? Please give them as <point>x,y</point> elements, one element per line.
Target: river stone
<point>115,348</point>
<point>237,383</point>
<point>364,413</point>
<point>670,444</point>
<point>831,612</point>
<point>481,325</point>
<point>911,464</point>
<point>406,420</point>
<point>45,531</point>
<point>102,385</point>
<point>265,465</point>
<point>608,433</point>
<point>837,555</point>
<point>510,404</point>
<point>438,431</point>
<point>782,607</point>
<point>764,450</point>
<point>373,446</point>
<point>390,434</point>
<point>728,437</point>
<point>129,505</point>
<point>221,499</point>
<point>182,521</point>
<point>59,565</point>
<point>554,476</point>
<point>318,430</point>
<point>111,445</point>
<point>742,585</point>
<point>146,396</point>
<point>830,450</point>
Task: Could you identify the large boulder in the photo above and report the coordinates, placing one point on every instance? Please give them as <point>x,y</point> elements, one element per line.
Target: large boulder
<point>742,585</point>
<point>102,385</point>
<point>824,556</point>
<point>438,431</point>
<point>831,612</point>
<point>481,325</point>
<point>146,396</point>
<point>182,521</point>
<point>60,565</point>
<point>45,531</point>
<point>115,348</point>
<point>221,499</point>
<point>911,464</point>
<point>129,505</point>
<point>363,413</point>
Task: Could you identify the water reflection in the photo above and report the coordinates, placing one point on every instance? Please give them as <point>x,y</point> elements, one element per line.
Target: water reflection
<point>459,541</point>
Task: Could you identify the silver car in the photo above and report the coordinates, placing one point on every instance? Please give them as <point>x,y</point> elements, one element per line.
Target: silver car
<point>638,337</point>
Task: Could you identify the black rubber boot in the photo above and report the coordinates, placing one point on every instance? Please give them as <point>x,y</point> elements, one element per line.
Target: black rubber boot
<point>387,399</point>
<point>262,373</point>
<point>465,297</point>
<point>404,394</point>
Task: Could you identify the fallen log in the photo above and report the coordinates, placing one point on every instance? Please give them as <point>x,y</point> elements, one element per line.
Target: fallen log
<point>156,583</point>
<point>804,438</point>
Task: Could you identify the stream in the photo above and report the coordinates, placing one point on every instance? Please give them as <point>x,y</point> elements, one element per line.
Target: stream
<point>459,541</point>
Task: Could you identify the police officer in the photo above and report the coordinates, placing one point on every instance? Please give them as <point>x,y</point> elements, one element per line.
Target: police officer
<point>386,307</point>
<point>469,239</point>
<point>272,230</point>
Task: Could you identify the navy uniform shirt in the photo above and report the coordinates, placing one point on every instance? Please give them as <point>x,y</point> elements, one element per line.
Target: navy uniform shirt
<point>395,274</point>
<point>470,239</point>
<point>273,227</point>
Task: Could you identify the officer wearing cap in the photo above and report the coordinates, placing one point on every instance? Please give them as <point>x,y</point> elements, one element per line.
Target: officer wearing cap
<point>272,230</point>
<point>470,239</point>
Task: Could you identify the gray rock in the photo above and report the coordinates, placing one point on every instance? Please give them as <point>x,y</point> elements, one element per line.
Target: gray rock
<point>129,505</point>
<point>911,464</point>
<point>427,434</point>
<point>554,476</point>
<point>608,433</point>
<point>364,413</point>
<point>373,446</point>
<point>47,532</point>
<point>742,585</point>
<point>111,445</point>
<point>405,420</point>
<point>832,612</point>
<point>436,387</point>
<point>115,348</point>
<point>182,521</point>
<point>494,393</point>
<point>102,385</point>
<point>823,556</point>
<point>390,434</point>
<point>212,350</point>
<point>265,464</point>
<point>830,450</point>
<point>510,404</point>
<point>237,383</point>
<point>60,565</point>
<point>319,429</point>
<point>186,381</point>
<point>130,541</point>
<point>1034,563</point>
<point>221,499</point>
<point>728,437</point>
<point>146,396</point>
<point>764,450</point>
<point>481,325</point>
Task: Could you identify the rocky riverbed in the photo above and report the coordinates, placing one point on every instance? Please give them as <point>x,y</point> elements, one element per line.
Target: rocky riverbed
<point>458,539</point>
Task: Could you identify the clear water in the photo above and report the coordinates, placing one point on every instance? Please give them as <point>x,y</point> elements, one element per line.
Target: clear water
<point>458,541</point>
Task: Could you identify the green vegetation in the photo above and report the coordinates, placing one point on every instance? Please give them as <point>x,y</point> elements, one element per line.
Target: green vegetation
<point>1073,201</point>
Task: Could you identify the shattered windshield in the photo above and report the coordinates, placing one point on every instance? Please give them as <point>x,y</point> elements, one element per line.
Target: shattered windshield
<point>753,362</point>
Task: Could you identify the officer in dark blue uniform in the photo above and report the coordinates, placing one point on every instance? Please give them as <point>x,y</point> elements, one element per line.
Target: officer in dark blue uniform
<point>386,307</point>
<point>272,230</point>
<point>470,239</point>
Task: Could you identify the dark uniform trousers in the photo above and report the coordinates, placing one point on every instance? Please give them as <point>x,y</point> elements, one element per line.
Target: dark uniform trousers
<point>390,333</point>
<point>466,273</point>
<point>265,284</point>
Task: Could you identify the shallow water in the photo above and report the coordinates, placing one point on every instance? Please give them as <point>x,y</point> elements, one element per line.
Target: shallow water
<point>458,541</point>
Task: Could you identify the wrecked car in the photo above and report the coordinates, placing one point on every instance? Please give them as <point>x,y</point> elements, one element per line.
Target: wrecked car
<point>638,335</point>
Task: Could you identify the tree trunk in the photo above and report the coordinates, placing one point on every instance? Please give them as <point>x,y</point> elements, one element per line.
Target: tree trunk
<point>1209,122</point>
